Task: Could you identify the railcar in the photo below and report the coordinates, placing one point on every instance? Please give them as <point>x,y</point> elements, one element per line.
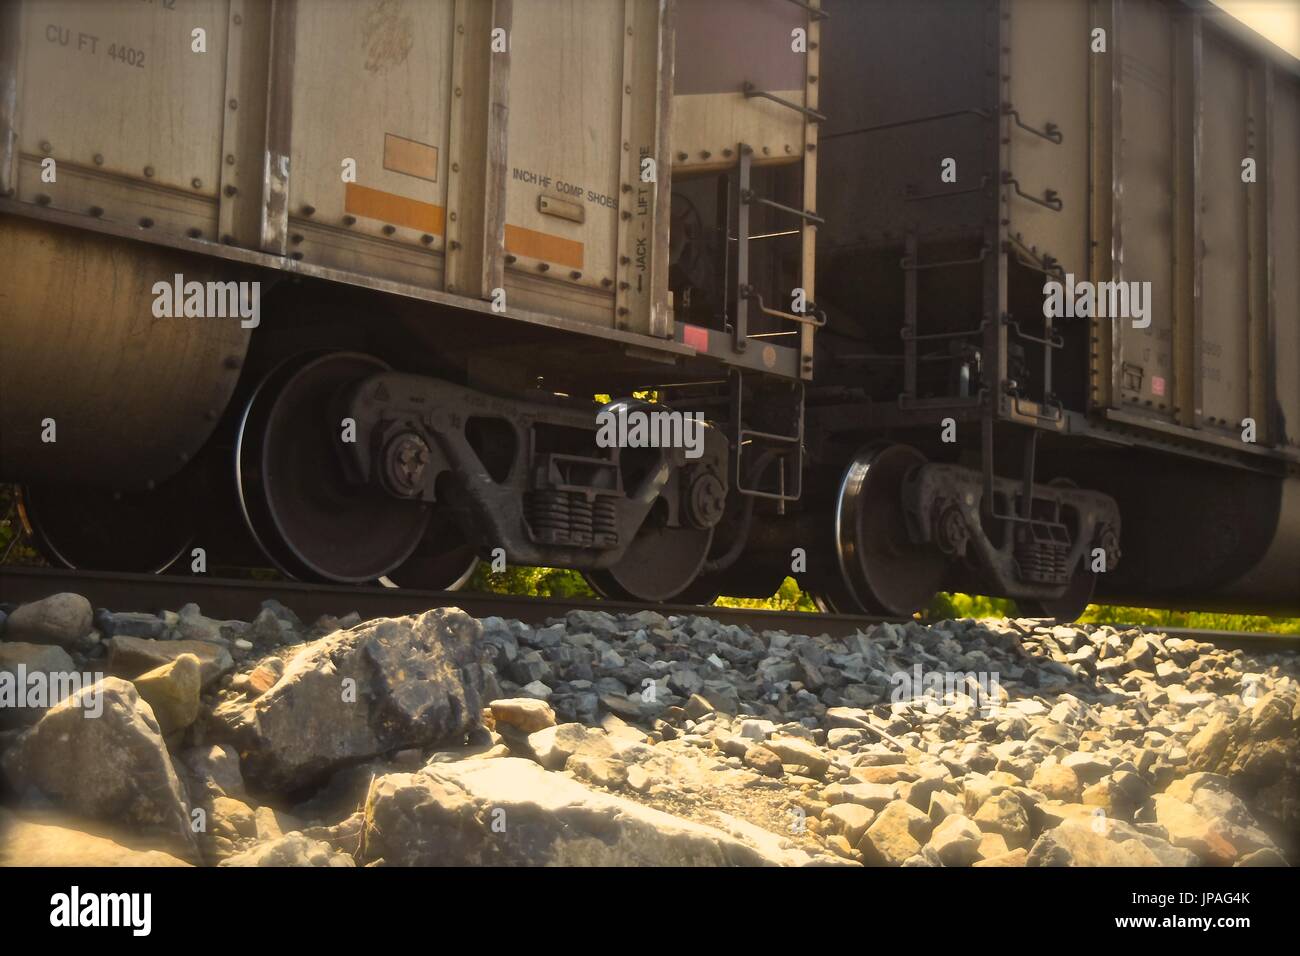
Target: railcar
<point>330,286</point>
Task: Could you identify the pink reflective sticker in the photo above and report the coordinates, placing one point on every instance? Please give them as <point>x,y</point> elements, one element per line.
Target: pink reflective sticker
<point>696,336</point>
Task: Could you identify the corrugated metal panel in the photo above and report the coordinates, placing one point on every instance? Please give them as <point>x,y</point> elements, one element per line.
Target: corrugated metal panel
<point>506,135</point>
<point>1144,362</point>
<point>132,116</point>
<point>565,139</point>
<point>1178,101</point>
<point>372,86</point>
<point>1049,87</point>
<point>1285,149</point>
<point>890,125</point>
<point>721,46</point>
<point>1225,353</point>
<point>497,144</point>
<point>142,98</point>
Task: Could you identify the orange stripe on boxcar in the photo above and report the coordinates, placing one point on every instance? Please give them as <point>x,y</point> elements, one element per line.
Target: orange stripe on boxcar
<point>543,245</point>
<point>394,209</point>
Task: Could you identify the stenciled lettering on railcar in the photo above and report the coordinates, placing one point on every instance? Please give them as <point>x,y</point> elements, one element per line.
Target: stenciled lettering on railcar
<point>564,187</point>
<point>93,45</point>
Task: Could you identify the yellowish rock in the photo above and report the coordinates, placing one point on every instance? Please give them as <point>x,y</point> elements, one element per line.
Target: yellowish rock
<point>1056,782</point>
<point>172,691</point>
<point>523,713</point>
<point>33,843</point>
<point>850,820</point>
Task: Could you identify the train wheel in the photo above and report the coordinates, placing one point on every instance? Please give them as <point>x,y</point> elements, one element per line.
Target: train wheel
<point>443,560</point>
<point>659,564</point>
<point>884,571</point>
<point>307,517</point>
<point>94,529</point>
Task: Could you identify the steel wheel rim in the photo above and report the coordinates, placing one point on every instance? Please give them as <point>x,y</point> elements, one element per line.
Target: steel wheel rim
<point>882,570</point>
<point>282,524</point>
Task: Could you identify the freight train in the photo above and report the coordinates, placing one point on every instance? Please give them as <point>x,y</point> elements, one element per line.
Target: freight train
<point>987,295</point>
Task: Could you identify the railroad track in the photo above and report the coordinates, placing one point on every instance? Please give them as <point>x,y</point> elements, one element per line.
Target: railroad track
<point>240,599</point>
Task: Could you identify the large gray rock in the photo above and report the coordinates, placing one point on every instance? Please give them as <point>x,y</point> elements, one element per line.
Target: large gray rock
<point>62,619</point>
<point>31,678</point>
<point>130,624</point>
<point>113,767</point>
<point>130,657</point>
<point>511,812</point>
<point>213,771</point>
<point>390,684</point>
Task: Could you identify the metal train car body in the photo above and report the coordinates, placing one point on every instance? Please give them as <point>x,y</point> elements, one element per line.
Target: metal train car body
<point>1096,144</point>
<point>466,217</point>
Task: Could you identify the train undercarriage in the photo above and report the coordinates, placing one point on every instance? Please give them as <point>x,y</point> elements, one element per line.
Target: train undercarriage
<point>342,470</point>
<point>337,457</point>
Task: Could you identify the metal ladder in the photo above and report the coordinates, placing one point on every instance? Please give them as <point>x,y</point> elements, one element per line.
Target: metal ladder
<point>786,445</point>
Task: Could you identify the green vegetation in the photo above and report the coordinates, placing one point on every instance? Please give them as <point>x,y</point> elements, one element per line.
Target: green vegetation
<point>534,582</point>
<point>788,598</point>
<point>1206,620</point>
<point>557,582</point>
<point>947,605</point>
<point>11,527</point>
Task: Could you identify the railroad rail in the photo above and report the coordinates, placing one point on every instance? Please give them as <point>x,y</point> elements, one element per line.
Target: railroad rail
<point>240,599</point>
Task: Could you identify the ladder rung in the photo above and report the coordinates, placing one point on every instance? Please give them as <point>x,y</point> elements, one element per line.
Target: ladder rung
<point>817,318</point>
<point>770,436</point>
<point>749,197</point>
<point>908,265</point>
<point>750,91</point>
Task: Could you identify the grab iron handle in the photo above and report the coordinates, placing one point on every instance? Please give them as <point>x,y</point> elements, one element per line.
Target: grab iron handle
<point>749,197</point>
<point>1055,342</point>
<point>1052,133</point>
<point>1051,198</point>
<point>981,113</point>
<point>814,316</point>
<point>750,91</point>
<point>907,264</point>
<point>909,194</point>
